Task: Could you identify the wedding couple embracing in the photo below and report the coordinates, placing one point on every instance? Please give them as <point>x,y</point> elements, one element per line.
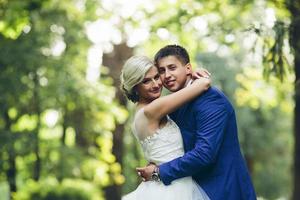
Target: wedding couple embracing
<point>189,137</point>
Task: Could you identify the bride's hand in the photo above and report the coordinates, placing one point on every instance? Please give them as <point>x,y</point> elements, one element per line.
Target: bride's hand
<point>202,83</point>
<point>200,72</point>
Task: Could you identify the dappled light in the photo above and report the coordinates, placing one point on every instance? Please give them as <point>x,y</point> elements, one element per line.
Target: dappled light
<point>65,125</point>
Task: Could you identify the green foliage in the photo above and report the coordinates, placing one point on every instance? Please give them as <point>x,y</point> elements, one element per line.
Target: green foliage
<point>14,17</point>
<point>51,115</point>
<point>274,42</point>
<point>52,190</point>
<point>53,121</point>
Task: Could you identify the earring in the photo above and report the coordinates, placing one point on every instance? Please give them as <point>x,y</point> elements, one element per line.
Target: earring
<point>136,95</point>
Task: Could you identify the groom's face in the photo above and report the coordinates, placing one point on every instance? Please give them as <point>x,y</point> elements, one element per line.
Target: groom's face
<point>173,73</point>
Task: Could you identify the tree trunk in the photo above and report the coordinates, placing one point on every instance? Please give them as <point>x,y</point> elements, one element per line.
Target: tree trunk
<point>11,173</point>
<point>78,120</point>
<point>64,130</point>
<point>60,175</point>
<point>115,61</point>
<point>294,7</point>
<point>37,110</point>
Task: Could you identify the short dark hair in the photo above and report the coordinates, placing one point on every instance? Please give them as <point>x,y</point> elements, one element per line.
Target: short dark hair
<point>172,50</point>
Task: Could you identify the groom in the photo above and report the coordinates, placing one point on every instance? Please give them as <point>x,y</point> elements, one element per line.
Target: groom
<point>209,131</point>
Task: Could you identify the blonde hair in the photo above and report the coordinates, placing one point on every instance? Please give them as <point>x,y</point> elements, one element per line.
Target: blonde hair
<point>133,73</point>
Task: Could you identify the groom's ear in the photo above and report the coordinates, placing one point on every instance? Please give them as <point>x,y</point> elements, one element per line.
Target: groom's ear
<point>189,70</point>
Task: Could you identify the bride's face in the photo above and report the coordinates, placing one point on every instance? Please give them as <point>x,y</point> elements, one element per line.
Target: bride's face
<point>151,86</point>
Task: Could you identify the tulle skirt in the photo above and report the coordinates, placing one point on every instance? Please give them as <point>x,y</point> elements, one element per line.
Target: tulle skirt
<point>180,189</point>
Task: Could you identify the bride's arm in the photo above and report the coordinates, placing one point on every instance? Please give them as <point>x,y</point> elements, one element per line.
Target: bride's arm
<point>164,105</point>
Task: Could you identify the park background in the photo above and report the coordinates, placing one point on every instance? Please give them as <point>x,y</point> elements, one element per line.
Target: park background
<point>65,125</point>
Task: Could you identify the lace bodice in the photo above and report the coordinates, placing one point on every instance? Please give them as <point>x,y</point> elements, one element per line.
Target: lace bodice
<point>163,145</point>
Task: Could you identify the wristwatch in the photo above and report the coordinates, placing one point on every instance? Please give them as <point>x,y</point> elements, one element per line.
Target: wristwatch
<point>155,174</point>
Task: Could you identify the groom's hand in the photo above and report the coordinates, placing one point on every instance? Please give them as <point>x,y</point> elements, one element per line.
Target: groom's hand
<point>146,172</point>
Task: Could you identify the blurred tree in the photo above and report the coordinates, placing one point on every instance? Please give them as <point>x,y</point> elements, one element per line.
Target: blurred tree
<point>276,63</point>
<point>115,61</point>
<point>90,124</point>
<point>53,121</point>
<point>294,8</point>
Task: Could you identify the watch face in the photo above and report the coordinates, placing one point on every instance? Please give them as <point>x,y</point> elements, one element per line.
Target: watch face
<point>155,177</point>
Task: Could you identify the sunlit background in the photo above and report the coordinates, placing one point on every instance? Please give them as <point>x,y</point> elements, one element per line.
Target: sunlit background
<point>65,127</point>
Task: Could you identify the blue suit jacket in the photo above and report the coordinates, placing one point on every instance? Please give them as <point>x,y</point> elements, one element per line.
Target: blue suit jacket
<point>213,156</point>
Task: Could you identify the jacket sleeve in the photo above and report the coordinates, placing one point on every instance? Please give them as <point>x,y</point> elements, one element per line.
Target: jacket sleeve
<point>211,117</point>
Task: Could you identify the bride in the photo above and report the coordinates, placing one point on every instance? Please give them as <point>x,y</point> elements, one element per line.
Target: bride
<point>158,135</point>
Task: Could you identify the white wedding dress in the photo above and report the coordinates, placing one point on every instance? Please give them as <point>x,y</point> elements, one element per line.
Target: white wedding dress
<point>162,146</point>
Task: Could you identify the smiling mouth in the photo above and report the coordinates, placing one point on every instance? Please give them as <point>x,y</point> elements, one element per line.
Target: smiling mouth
<point>156,91</point>
<point>170,83</point>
